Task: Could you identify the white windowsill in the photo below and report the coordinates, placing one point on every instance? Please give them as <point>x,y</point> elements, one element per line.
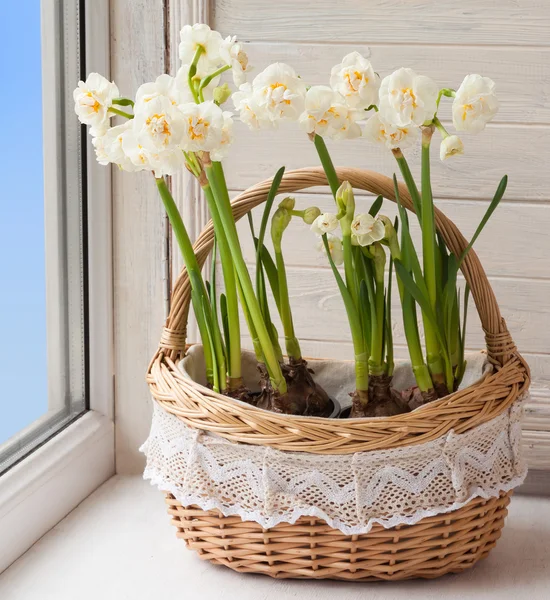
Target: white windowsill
<point>119,544</point>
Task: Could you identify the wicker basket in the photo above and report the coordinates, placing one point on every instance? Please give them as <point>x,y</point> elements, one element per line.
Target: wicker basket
<point>310,548</point>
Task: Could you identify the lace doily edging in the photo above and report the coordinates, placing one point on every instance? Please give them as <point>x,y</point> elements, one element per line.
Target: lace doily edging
<point>157,480</point>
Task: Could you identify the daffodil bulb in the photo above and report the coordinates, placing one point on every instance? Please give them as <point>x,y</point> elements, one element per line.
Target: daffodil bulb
<point>200,35</point>
<point>392,136</point>
<point>250,111</point>
<point>366,229</point>
<point>233,55</point>
<point>475,104</point>
<point>203,126</point>
<point>159,125</point>
<point>324,223</point>
<point>279,92</point>
<point>335,248</point>
<point>327,115</point>
<point>226,139</point>
<point>451,146</point>
<point>355,80</point>
<point>92,100</point>
<point>407,98</point>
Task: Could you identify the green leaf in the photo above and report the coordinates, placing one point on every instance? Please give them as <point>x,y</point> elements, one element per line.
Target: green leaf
<point>225,321</point>
<point>376,206</point>
<point>492,207</point>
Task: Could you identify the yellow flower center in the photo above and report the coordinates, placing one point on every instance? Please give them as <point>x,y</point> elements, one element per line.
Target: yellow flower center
<point>277,87</point>
<point>354,79</point>
<point>159,125</point>
<point>197,128</point>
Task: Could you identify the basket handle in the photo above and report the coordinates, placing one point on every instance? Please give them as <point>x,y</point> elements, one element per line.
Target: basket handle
<point>500,345</point>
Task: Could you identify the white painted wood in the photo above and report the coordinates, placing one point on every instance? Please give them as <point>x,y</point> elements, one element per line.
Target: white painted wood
<point>519,151</point>
<point>503,23</point>
<point>42,489</point>
<point>119,545</point>
<point>185,188</point>
<point>522,74</point>
<point>100,232</point>
<point>137,55</point>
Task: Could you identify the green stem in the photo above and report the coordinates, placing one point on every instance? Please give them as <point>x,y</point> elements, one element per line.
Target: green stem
<point>376,359</point>
<point>208,79</point>
<point>327,164</point>
<point>291,341</point>
<point>440,128</point>
<point>192,266</point>
<point>193,71</point>
<point>214,173</point>
<point>120,113</point>
<point>349,269</point>
<point>234,342</point>
<point>123,102</point>
<point>409,182</point>
<point>429,248</point>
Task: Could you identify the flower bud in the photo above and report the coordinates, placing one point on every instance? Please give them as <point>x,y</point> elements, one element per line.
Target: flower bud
<point>346,206</point>
<point>279,222</point>
<point>310,214</point>
<point>288,203</point>
<point>221,93</point>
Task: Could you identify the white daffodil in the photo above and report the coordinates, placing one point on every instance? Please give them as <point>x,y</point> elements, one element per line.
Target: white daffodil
<point>233,55</point>
<point>227,138</point>
<point>159,125</point>
<point>108,147</point>
<point>451,146</point>
<point>355,79</point>
<point>280,92</point>
<point>407,98</point>
<point>335,248</point>
<point>366,229</point>
<point>164,85</point>
<point>165,162</point>
<point>475,104</point>
<point>250,112</point>
<point>203,126</point>
<point>327,115</point>
<point>391,136</point>
<point>324,223</point>
<point>200,35</point>
<point>92,100</point>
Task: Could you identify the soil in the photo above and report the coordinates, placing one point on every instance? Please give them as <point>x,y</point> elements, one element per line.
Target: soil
<point>303,397</point>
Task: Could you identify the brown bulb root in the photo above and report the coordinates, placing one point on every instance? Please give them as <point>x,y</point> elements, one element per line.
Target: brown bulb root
<point>381,400</point>
<point>303,396</point>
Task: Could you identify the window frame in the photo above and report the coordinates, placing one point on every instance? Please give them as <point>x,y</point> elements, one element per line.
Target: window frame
<point>46,485</point>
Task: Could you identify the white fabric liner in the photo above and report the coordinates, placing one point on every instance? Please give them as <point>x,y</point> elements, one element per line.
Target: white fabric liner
<point>349,492</point>
<point>337,377</point>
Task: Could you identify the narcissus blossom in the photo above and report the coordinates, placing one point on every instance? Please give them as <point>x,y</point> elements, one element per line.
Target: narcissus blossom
<point>407,98</point>
<point>250,112</point>
<point>335,248</point>
<point>108,147</point>
<point>92,100</point>
<point>203,126</point>
<point>279,92</point>
<point>327,115</point>
<point>366,229</point>
<point>193,36</point>
<point>226,139</point>
<point>232,54</point>
<point>451,146</point>
<point>165,162</point>
<point>324,223</point>
<point>390,135</point>
<point>164,85</point>
<point>475,104</point>
<point>355,79</point>
<point>159,125</point>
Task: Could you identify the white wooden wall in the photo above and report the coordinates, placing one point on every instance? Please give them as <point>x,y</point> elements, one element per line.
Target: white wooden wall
<point>507,40</point>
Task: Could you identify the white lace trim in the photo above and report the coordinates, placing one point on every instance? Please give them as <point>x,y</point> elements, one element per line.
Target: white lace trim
<point>349,492</point>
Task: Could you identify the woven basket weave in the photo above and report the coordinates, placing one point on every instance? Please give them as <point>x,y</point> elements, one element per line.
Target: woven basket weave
<point>309,547</point>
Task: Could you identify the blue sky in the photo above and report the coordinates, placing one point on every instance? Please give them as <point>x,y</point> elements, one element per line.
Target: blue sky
<point>23,376</point>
